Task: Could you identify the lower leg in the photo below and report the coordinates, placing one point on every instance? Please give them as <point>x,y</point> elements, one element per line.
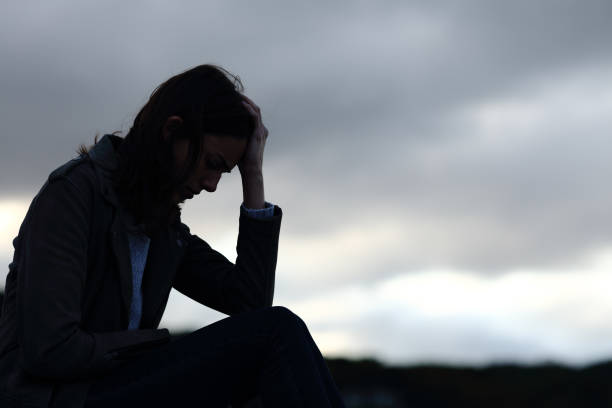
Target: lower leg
<point>295,372</point>
<point>333,394</point>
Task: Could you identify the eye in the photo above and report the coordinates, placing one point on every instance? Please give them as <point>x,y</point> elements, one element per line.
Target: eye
<point>216,164</point>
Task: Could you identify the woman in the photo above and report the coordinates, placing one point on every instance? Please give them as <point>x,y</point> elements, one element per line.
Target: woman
<point>102,245</point>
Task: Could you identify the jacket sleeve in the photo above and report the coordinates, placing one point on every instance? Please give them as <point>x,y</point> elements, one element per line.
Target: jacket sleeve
<point>51,278</point>
<point>211,279</point>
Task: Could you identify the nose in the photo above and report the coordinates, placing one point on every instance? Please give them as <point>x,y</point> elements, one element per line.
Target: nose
<point>210,183</point>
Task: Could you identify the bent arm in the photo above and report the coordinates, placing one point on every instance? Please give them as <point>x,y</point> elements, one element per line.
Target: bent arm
<point>51,277</point>
<point>211,279</point>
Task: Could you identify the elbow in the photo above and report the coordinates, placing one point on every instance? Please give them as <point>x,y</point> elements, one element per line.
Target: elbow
<point>260,304</point>
<point>265,299</point>
<point>269,293</point>
<point>263,296</point>
<point>266,294</point>
<point>252,303</point>
<point>268,299</point>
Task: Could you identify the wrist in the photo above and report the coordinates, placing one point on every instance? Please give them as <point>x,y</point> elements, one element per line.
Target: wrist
<point>251,178</point>
<point>253,190</point>
<point>253,171</point>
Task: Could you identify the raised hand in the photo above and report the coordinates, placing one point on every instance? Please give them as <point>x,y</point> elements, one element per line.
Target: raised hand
<point>250,165</point>
<point>253,157</point>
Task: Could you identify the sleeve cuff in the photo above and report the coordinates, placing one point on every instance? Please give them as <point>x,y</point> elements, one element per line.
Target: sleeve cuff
<point>267,211</point>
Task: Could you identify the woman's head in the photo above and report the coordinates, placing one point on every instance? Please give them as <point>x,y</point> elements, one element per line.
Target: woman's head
<point>205,100</point>
<point>219,154</point>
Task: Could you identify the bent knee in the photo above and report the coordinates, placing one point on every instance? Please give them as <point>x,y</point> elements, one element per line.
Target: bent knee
<point>283,316</point>
<point>282,312</point>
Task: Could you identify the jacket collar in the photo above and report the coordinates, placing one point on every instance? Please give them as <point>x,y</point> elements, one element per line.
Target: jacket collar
<point>105,158</point>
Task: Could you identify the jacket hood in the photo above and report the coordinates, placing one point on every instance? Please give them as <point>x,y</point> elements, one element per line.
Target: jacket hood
<point>104,153</point>
<point>104,156</point>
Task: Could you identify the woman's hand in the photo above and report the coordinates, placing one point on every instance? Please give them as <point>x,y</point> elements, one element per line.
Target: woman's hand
<point>252,160</point>
<point>250,165</point>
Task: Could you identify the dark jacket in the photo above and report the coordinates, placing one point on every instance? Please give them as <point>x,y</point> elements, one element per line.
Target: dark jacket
<point>68,292</point>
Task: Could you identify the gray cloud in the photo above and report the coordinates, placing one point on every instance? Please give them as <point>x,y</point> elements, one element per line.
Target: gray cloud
<point>363,102</point>
<point>404,136</point>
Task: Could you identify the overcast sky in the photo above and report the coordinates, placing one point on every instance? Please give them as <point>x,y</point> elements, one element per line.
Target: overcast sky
<point>443,167</point>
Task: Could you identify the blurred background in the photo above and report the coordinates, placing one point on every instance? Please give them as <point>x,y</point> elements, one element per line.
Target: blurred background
<point>443,167</point>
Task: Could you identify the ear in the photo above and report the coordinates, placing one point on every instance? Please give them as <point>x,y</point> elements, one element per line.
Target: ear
<point>172,123</point>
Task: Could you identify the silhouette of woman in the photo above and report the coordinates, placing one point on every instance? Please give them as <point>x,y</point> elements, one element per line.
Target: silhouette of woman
<point>103,244</point>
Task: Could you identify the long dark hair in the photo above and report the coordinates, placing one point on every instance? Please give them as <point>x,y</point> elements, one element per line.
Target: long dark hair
<point>207,98</point>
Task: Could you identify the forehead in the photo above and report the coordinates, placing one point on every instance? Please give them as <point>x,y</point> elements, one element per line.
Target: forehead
<point>229,147</point>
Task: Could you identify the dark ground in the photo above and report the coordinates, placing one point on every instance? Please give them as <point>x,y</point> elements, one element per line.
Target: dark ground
<point>370,384</point>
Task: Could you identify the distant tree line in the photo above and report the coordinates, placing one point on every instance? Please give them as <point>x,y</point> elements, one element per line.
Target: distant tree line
<point>368,383</point>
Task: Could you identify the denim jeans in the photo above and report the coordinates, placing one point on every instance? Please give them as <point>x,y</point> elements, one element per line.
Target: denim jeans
<point>267,354</point>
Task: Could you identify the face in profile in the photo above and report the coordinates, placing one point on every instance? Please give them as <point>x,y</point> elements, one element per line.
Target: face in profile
<point>220,154</point>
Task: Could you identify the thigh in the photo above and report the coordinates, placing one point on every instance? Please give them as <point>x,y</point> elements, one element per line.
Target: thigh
<point>210,367</point>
